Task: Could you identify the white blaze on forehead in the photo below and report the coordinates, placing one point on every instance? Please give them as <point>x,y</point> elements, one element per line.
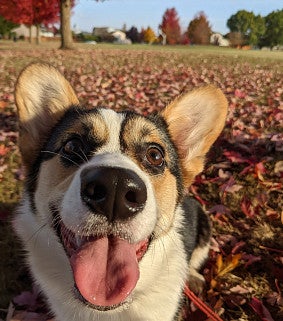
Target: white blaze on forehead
<point>113,122</point>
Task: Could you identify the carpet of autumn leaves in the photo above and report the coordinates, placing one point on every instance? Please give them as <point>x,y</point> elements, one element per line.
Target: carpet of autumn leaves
<point>241,186</point>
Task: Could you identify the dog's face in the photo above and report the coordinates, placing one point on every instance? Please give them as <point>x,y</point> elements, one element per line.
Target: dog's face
<point>107,184</point>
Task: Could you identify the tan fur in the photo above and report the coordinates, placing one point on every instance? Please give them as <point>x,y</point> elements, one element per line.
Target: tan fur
<point>40,86</point>
<point>99,129</point>
<point>143,131</point>
<point>195,121</point>
<point>166,195</point>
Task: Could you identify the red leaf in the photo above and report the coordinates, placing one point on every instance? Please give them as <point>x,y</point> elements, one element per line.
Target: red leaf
<point>3,150</point>
<point>201,305</point>
<point>231,186</point>
<point>3,104</point>
<point>240,94</point>
<point>219,209</point>
<point>250,259</point>
<point>260,310</point>
<point>247,208</point>
<point>236,157</point>
<point>260,170</point>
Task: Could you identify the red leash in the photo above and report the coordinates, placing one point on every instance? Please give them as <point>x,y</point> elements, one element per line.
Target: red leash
<point>201,305</point>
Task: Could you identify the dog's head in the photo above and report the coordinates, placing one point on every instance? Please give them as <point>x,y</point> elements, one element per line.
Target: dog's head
<point>108,183</point>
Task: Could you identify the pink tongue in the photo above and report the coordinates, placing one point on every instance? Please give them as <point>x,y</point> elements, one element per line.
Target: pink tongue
<point>105,270</point>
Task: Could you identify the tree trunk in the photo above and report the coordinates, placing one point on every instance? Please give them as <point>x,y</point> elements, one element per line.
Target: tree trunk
<point>37,34</point>
<point>65,18</point>
<point>30,34</point>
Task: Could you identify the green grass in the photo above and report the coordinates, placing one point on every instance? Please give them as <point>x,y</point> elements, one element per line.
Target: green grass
<point>195,49</point>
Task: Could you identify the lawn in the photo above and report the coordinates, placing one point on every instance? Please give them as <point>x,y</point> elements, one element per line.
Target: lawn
<point>241,186</point>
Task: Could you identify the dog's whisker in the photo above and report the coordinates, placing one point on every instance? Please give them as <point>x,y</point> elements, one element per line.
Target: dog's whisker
<point>85,158</point>
<point>63,156</point>
<point>35,234</point>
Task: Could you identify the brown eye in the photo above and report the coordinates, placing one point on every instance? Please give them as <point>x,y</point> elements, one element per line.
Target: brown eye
<point>73,147</point>
<point>154,156</point>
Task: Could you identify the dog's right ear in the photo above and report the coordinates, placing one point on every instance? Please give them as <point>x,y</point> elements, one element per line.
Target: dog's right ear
<point>42,95</point>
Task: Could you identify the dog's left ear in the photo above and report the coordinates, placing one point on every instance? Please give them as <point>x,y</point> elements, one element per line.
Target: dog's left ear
<point>195,120</point>
<point>42,95</point>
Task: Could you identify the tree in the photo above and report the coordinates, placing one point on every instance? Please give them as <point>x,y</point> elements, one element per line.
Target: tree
<point>6,27</point>
<point>149,36</point>
<point>30,12</point>
<point>65,21</point>
<point>236,39</point>
<point>251,27</point>
<point>19,12</point>
<point>133,35</point>
<point>199,30</point>
<point>274,29</point>
<point>185,39</point>
<point>171,27</point>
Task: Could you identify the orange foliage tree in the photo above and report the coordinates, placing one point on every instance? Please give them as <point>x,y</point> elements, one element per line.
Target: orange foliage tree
<point>149,35</point>
<point>199,30</point>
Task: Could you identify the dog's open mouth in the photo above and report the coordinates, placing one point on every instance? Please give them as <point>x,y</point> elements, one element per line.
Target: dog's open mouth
<point>105,268</point>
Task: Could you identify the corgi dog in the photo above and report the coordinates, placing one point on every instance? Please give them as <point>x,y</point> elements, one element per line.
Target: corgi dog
<point>108,228</point>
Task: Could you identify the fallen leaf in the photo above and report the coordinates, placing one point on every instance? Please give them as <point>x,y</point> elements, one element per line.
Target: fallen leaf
<point>3,104</point>
<point>239,290</point>
<point>230,263</point>
<point>260,310</point>
<point>3,150</point>
<point>230,186</point>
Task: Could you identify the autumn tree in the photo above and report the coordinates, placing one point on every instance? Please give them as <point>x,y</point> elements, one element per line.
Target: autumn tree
<point>199,30</point>
<point>17,11</point>
<point>251,27</point>
<point>236,39</point>
<point>171,27</point>
<point>30,12</point>
<point>149,36</point>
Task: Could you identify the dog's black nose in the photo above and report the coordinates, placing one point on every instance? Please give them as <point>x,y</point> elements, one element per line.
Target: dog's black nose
<point>116,193</point>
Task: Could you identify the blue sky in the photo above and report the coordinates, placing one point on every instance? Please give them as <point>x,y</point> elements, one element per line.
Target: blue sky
<point>143,13</point>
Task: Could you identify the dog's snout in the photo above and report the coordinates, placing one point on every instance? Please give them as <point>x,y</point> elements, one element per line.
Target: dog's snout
<point>116,193</point>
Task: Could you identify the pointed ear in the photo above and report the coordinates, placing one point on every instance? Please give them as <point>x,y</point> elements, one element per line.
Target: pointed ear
<point>42,95</point>
<point>195,120</point>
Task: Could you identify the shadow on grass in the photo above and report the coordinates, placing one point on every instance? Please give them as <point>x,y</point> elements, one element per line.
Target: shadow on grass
<point>14,276</point>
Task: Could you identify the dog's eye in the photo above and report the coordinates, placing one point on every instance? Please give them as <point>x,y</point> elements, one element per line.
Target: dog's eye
<point>73,147</point>
<point>154,156</point>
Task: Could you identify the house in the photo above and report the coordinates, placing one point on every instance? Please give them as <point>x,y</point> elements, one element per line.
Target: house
<point>218,39</point>
<point>106,34</point>
<point>121,38</point>
<point>25,32</point>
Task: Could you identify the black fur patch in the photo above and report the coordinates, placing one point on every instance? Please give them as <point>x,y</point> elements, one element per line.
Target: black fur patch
<point>196,228</point>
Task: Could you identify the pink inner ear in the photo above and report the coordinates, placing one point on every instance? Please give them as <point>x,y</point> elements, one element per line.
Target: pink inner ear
<point>42,96</point>
<point>195,120</point>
